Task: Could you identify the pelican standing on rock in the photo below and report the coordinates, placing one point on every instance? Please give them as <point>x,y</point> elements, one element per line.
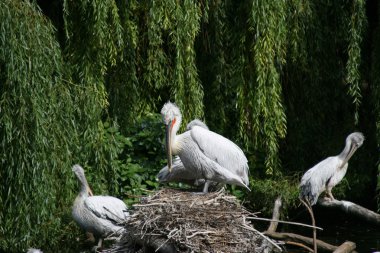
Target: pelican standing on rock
<point>100,215</point>
<point>329,172</point>
<point>208,155</point>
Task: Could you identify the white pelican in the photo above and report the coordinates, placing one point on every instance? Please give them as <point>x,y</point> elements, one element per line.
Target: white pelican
<point>179,173</point>
<point>100,215</point>
<point>208,155</point>
<point>33,250</point>
<point>329,172</point>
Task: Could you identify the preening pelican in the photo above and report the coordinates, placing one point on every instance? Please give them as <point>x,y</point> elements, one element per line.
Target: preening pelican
<point>329,172</point>
<point>208,155</point>
<point>99,215</point>
<point>179,173</point>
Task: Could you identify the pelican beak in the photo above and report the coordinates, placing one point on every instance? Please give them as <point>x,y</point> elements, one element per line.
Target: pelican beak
<point>168,145</point>
<point>89,191</point>
<point>353,148</point>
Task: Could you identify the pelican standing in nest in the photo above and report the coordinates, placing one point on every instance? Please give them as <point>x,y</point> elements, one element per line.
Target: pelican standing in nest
<point>208,155</point>
<point>99,215</point>
<point>179,172</point>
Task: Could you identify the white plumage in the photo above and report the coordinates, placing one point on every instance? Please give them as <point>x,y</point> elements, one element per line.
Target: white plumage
<point>207,154</point>
<point>100,215</point>
<point>33,250</point>
<point>329,172</point>
<point>179,173</point>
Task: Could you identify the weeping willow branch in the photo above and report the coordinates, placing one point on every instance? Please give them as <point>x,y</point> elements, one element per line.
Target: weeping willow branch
<point>356,27</point>
<point>266,120</point>
<point>188,91</point>
<point>35,121</point>
<point>94,43</point>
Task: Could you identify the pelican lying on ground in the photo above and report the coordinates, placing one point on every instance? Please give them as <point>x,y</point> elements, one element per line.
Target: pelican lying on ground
<point>208,155</point>
<point>329,172</point>
<point>179,173</point>
<point>100,215</point>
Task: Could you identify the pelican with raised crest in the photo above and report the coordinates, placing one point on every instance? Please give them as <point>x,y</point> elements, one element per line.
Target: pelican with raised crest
<point>329,172</point>
<point>206,154</point>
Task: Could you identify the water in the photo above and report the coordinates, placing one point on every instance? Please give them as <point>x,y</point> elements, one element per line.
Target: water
<point>338,228</point>
<point>367,238</point>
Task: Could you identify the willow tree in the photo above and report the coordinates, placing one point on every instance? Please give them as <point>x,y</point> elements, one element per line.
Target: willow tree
<point>34,125</point>
<point>94,42</point>
<point>263,50</point>
<point>283,79</point>
<point>158,62</point>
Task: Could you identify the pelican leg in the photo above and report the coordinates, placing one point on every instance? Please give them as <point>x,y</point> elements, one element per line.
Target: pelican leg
<point>329,194</point>
<point>95,248</point>
<point>205,187</point>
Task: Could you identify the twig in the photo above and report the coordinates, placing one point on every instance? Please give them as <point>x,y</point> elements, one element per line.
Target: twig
<point>169,237</point>
<point>262,235</point>
<point>285,222</point>
<point>308,206</point>
<point>200,232</point>
<point>150,204</point>
<point>300,238</point>
<point>299,245</point>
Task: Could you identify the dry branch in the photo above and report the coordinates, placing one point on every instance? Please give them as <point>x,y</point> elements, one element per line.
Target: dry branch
<point>346,247</point>
<point>310,210</point>
<point>301,239</point>
<point>275,216</point>
<point>352,209</point>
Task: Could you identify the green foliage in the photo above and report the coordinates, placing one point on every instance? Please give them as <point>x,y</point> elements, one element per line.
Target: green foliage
<point>188,91</point>
<point>94,41</point>
<point>212,56</point>
<point>356,30</point>
<point>34,125</point>
<point>143,157</point>
<point>264,193</point>
<point>124,75</point>
<point>265,91</point>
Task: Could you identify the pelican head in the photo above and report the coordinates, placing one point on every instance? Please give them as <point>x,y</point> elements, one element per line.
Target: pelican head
<point>172,118</point>
<point>353,142</point>
<point>79,172</point>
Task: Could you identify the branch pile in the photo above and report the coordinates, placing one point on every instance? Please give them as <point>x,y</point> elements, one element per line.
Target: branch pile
<point>176,221</point>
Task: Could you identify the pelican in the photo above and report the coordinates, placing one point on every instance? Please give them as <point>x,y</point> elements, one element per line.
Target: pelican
<point>100,215</point>
<point>329,172</point>
<point>179,173</point>
<point>33,250</point>
<point>206,154</point>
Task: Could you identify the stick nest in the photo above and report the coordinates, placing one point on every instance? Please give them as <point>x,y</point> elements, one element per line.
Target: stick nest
<point>176,221</point>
